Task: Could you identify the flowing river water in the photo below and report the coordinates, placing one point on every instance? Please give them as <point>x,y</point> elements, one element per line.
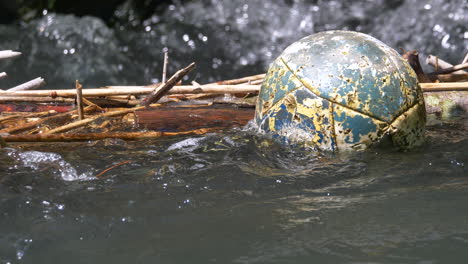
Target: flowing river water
<point>236,196</point>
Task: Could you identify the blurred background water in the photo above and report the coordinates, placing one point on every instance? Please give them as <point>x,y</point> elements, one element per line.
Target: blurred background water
<point>232,197</point>
<point>225,38</point>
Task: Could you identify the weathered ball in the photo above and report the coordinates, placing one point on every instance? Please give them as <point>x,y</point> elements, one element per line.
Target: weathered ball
<point>341,90</point>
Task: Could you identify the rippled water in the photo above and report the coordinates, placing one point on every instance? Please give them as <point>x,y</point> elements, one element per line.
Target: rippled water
<point>234,197</point>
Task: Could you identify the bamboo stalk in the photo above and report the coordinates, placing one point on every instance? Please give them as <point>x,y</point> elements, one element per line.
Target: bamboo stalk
<point>138,90</point>
<point>31,85</point>
<point>453,86</point>
<point>79,100</point>
<point>98,136</point>
<point>161,91</point>
<point>7,54</point>
<point>3,75</point>
<point>241,80</point>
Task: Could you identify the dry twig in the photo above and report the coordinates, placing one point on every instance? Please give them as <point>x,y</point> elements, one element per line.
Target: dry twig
<point>161,91</point>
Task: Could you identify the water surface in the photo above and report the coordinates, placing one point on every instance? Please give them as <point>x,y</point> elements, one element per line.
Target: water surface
<point>234,197</point>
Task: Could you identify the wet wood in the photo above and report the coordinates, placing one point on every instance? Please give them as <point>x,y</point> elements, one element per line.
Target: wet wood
<point>79,100</point>
<point>33,107</point>
<point>45,99</point>
<point>166,86</point>
<point>86,121</point>
<point>452,77</point>
<point>183,118</point>
<point>26,115</point>
<point>30,125</point>
<point>98,136</point>
<point>413,59</point>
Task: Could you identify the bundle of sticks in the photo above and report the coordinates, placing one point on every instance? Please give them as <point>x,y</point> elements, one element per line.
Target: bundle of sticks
<point>50,126</point>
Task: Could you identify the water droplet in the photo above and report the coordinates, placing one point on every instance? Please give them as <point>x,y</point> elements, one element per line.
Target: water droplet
<point>427,6</point>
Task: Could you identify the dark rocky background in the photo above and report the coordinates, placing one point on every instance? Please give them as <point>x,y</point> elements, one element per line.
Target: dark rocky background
<point>122,41</point>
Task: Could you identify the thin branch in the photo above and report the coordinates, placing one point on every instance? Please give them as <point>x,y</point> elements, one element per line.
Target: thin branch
<point>89,120</point>
<point>160,92</point>
<point>412,57</point>
<point>99,175</point>
<point>41,99</point>
<point>439,64</point>
<point>43,120</point>
<point>98,136</point>
<point>79,99</point>
<point>451,69</point>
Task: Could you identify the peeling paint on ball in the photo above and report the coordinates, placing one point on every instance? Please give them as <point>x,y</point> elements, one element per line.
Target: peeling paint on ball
<point>341,90</point>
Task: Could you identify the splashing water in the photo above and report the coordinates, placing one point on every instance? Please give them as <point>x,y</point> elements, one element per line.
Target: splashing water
<point>38,161</point>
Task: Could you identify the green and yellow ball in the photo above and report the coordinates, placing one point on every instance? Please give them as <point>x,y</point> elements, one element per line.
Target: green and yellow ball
<point>341,90</point>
